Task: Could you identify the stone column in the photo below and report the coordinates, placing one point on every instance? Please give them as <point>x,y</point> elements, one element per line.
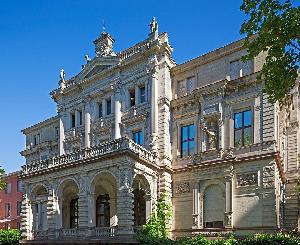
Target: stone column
<point>104,112</point>
<point>137,95</point>
<point>196,206</point>
<point>26,218</point>
<point>154,111</point>
<point>201,205</point>
<point>87,126</point>
<point>92,210</point>
<point>50,210</point>
<point>117,112</point>
<point>61,135</point>
<point>125,203</point>
<point>228,203</point>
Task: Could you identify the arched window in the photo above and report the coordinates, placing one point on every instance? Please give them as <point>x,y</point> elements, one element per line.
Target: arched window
<point>74,214</point>
<point>102,211</point>
<point>139,207</point>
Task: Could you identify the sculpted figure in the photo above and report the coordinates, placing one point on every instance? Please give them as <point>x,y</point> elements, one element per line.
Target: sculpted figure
<point>212,138</point>
<point>153,25</point>
<point>87,58</point>
<point>62,79</point>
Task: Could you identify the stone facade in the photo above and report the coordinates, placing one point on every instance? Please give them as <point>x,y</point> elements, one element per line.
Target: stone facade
<point>133,124</point>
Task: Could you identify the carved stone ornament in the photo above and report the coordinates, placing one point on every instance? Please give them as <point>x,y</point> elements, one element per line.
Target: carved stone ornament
<point>182,188</point>
<point>247,179</point>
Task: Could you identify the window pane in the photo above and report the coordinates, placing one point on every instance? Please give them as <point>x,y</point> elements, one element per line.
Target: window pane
<point>238,138</point>
<point>248,136</point>
<point>191,147</point>
<point>238,120</point>
<point>184,133</point>
<point>142,94</point>
<point>247,118</point>
<point>141,138</point>
<point>184,149</point>
<point>192,132</point>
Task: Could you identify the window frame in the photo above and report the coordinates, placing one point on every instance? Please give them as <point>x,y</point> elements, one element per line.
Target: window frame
<point>73,120</point>
<point>132,98</point>
<point>108,106</point>
<point>139,133</point>
<point>142,87</point>
<point>7,214</point>
<point>242,129</point>
<point>189,139</point>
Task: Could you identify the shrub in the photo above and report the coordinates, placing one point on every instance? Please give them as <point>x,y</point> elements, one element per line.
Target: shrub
<point>10,237</point>
<point>156,230</point>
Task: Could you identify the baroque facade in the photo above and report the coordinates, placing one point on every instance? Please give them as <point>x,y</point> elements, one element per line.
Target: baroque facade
<point>133,124</point>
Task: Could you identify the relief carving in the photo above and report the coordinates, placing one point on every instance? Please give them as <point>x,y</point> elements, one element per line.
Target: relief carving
<point>247,179</point>
<point>182,188</point>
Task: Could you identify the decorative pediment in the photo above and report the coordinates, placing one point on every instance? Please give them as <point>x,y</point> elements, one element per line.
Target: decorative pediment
<point>95,70</point>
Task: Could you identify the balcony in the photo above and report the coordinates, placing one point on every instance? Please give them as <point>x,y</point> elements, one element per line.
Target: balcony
<point>109,148</point>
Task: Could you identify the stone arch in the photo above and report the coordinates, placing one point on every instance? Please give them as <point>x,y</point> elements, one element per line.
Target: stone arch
<point>103,192</point>
<point>142,199</point>
<point>38,198</point>
<point>68,196</point>
<point>213,204</point>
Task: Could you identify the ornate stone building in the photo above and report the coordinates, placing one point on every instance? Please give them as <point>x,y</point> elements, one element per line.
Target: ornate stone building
<point>133,124</point>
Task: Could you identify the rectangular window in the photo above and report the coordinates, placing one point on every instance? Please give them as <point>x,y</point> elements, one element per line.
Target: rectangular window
<point>132,97</point>
<point>8,188</point>
<point>142,94</point>
<point>181,88</point>
<point>138,137</point>
<point>19,186</point>
<point>100,112</point>
<point>243,128</point>
<point>187,140</point>
<point>73,121</point>
<point>80,117</point>
<point>108,106</point>
<point>7,210</point>
<point>19,205</point>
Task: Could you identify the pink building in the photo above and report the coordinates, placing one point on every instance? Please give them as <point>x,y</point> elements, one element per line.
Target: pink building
<point>10,202</point>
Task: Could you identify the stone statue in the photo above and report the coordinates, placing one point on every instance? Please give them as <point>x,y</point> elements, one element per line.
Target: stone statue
<point>87,58</point>
<point>62,83</point>
<point>62,75</point>
<point>153,25</point>
<point>212,138</point>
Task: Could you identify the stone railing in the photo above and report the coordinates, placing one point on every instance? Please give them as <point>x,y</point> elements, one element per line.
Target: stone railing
<point>112,147</point>
<point>72,233</point>
<point>134,50</point>
<point>105,231</point>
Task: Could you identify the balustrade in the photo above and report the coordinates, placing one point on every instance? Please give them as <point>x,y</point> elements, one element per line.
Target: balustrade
<point>113,146</point>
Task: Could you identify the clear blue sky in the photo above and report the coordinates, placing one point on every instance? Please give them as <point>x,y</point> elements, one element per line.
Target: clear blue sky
<point>38,38</point>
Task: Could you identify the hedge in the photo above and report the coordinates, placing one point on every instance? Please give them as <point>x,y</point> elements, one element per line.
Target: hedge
<point>10,237</point>
<point>259,239</point>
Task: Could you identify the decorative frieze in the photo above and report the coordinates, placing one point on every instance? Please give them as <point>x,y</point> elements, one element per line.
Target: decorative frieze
<point>183,187</point>
<point>247,179</point>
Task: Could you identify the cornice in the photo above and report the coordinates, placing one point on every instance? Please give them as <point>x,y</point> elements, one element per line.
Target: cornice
<point>209,57</point>
<point>40,125</point>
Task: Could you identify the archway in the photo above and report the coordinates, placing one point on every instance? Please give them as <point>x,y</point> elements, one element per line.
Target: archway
<point>214,207</point>
<point>39,197</point>
<point>68,194</point>
<point>104,210</point>
<point>142,200</point>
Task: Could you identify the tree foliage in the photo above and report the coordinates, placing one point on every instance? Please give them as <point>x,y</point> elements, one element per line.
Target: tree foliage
<point>273,26</point>
<point>2,181</point>
<point>157,226</point>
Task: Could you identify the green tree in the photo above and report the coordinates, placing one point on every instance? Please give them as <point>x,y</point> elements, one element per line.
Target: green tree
<point>273,26</point>
<point>157,227</point>
<point>2,181</point>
